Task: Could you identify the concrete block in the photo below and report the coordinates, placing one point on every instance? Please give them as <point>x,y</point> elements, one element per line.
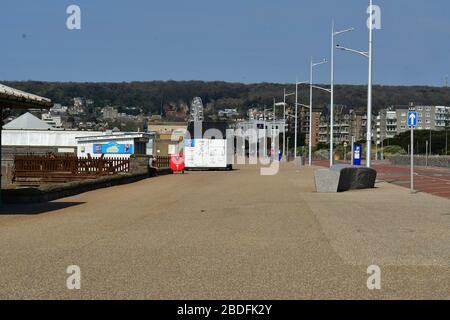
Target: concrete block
<point>300,161</point>
<point>357,178</point>
<point>341,178</point>
<point>327,181</point>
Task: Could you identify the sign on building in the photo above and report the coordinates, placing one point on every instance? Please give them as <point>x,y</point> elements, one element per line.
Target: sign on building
<point>113,148</point>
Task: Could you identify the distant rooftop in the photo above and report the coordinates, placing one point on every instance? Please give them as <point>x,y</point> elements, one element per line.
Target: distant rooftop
<point>27,121</point>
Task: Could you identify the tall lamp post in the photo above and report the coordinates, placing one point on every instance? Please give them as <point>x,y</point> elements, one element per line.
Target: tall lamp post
<point>284,129</point>
<point>296,115</point>
<point>446,136</point>
<point>368,55</point>
<point>333,36</point>
<point>369,104</point>
<point>280,104</point>
<point>274,111</point>
<point>311,86</point>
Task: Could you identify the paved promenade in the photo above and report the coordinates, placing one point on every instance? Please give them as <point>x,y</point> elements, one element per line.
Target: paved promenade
<point>228,235</point>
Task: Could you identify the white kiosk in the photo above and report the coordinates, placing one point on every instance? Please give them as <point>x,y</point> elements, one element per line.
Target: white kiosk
<point>115,145</point>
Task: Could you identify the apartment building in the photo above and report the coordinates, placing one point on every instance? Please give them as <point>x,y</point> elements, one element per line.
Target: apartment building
<point>304,116</point>
<point>348,123</point>
<point>394,120</point>
<point>110,113</point>
<point>386,124</point>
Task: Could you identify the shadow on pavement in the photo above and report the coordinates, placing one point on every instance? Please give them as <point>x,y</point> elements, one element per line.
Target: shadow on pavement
<point>35,208</point>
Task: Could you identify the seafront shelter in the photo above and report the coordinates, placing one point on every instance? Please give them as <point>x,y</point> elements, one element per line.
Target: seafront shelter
<point>11,98</point>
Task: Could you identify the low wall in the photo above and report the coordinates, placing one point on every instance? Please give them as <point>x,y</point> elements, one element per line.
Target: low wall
<point>52,192</point>
<point>433,161</point>
<point>139,164</point>
<point>7,172</point>
<point>139,170</point>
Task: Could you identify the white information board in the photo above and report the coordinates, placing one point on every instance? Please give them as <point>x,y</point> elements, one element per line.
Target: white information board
<point>205,153</point>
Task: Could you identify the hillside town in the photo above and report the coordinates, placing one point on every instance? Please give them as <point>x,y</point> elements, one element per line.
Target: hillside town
<point>349,123</point>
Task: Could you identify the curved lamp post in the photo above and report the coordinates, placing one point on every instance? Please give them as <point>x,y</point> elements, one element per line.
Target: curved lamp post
<point>333,36</point>
<point>369,86</point>
<point>311,86</point>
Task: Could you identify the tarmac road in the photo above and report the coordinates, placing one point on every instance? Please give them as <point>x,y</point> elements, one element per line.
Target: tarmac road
<point>228,235</point>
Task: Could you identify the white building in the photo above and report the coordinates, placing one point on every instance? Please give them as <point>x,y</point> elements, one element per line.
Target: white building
<point>271,127</point>
<point>110,113</point>
<point>58,109</point>
<point>40,140</point>
<point>53,121</point>
<point>442,116</point>
<point>228,113</point>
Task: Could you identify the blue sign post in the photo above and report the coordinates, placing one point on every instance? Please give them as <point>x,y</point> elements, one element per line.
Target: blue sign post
<point>357,154</point>
<point>412,119</point>
<point>412,123</point>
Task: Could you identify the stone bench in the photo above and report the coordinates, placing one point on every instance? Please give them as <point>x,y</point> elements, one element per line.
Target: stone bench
<point>300,161</point>
<point>342,178</point>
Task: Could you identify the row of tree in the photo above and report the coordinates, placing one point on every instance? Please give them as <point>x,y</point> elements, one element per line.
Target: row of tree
<point>153,95</point>
<point>438,141</point>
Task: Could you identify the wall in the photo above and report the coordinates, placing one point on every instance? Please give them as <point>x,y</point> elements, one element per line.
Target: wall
<point>56,191</point>
<point>433,161</point>
<point>163,146</point>
<point>139,170</point>
<point>139,164</point>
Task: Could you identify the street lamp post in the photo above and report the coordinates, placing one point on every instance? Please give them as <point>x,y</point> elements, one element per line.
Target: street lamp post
<point>284,129</point>
<point>353,148</point>
<point>368,55</point>
<point>274,111</point>
<point>307,107</point>
<point>446,134</point>
<point>311,86</point>
<point>296,115</point>
<point>275,104</point>
<point>287,148</point>
<point>333,35</point>
<point>284,124</point>
<point>369,104</point>
<point>369,93</point>
<point>430,142</point>
<point>296,119</point>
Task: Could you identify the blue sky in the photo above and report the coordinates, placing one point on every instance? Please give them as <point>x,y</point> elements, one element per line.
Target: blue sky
<point>229,40</point>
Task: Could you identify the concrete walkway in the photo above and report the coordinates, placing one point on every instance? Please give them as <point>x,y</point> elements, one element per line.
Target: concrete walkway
<point>228,235</point>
